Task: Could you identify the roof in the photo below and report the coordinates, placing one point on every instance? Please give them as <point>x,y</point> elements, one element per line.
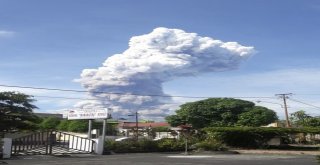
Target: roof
<point>143,125</point>
<point>49,115</point>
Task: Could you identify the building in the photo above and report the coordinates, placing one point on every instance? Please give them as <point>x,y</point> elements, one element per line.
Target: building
<point>145,129</point>
<point>43,115</point>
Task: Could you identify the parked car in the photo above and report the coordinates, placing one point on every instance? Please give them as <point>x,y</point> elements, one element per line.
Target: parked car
<point>123,139</point>
<point>157,138</point>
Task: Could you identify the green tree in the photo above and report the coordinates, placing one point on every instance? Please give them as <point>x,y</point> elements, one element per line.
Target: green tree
<point>63,125</point>
<point>257,116</point>
<point>313,122</point>
<point>302,119</point>
<point>50,123</point>
<point>78,126</point>
<point>213,112</point>
<point>175,120</point>
<point>16,112</point>
<point>299,118</point>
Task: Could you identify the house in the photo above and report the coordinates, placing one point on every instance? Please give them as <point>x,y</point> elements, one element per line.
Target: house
<point>146,129</point>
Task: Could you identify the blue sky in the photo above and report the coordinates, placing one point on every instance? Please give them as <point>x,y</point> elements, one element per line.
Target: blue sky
<point>49,43</point>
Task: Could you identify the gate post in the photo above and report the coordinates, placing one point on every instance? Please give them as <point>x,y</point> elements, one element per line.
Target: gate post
<point>52,139</point>
<point>98,145</point>
<point>7,144</point>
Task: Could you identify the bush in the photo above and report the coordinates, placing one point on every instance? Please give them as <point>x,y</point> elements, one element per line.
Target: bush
<point>147,146</point>
<point>252,137</point>
<point>210,145</point>
<point>144,145</point>
<point>119,147</point>
<point>170,145</point>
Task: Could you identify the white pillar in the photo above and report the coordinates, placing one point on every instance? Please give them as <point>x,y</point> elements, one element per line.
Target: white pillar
<point>104,129</point>
<point>99,145</point>
<point>7,143</point>
<point>89,128</point>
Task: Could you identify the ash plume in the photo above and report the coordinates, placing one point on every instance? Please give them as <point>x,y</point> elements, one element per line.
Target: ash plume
<point>152,59</point>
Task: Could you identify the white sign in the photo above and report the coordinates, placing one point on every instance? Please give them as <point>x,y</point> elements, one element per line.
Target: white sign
<point>87,114</point>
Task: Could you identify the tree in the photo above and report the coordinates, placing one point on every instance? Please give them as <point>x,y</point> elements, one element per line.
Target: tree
<point>299,118</point>
<point>215,112</point>
<point>257,116</point>
<point>16,111</point>
<point>63,125</point>
<point>302,119</point>
<point>78,126</point>
<point>50,123</point>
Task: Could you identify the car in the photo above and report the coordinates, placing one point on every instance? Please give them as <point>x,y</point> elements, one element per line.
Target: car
<point>123,139</point>
<point>157,138</point>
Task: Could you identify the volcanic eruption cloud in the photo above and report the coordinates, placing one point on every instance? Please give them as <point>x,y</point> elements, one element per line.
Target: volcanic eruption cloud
<point>152,59</point>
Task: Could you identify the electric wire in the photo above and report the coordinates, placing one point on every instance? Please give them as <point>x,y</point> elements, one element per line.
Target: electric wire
<point>125,94</point>
<point>304,103</point>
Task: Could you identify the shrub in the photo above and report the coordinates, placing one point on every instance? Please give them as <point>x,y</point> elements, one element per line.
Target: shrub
<point>252,137</point>
<point>144,145</point>
<point>170,145</point>
<point>210,145</point>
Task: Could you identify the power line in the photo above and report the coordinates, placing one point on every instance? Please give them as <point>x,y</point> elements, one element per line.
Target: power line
<point>119,93</point>
<point>77,98</point>
<point>307,94</point>
<point>60,97</point>
<point>305,103</point>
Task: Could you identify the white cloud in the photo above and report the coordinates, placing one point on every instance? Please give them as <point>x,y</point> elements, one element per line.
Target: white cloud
<point>155,58</point>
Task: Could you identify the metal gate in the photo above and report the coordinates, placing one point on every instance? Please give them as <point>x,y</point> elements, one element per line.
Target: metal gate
<point>51,142</point>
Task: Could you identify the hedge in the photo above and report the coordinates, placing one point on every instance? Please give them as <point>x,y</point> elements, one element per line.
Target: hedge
<point>144,145</point>
<point>252,137</point>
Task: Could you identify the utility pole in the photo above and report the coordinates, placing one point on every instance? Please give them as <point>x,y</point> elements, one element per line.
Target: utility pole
<point>284,96</point>
<point>137,127</point>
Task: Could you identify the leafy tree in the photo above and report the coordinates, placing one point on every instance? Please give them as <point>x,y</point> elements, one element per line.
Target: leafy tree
<point>216,112</point>
<point>175,120</point>
<point>313,122</point>
<point>16,112</point>
<point>299,118</point>
<point>257,116</point>
<point>50,123</point>
<point>78,126</point>
<point>302,119</point>
<point>63,125</point>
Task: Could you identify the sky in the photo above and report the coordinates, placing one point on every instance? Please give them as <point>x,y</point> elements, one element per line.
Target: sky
<point>50,43</point>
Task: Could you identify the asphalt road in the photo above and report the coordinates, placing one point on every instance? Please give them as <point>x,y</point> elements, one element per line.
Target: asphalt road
<point>165,159</point>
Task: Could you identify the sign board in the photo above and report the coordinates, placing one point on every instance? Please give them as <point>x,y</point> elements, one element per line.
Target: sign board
<point>87,114</point>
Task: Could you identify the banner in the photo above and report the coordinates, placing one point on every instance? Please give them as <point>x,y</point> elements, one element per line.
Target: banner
<point>87,114</point>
